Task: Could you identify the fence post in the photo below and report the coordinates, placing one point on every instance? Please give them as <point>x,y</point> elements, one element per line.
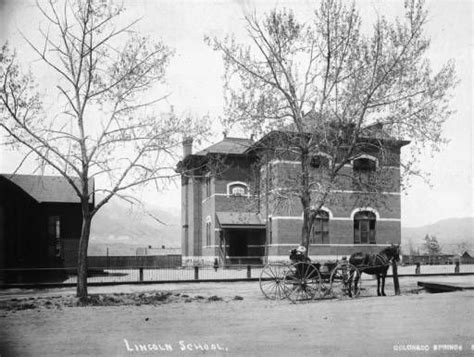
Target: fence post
<point>140,270</point>
<point>196,273</point>
<point>396,283</point>
<point>249,272</point>
<point>417,269</point>
<point>456,268</point>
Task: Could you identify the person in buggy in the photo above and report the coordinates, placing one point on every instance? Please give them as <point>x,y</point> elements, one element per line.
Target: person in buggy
<point>299,255</point>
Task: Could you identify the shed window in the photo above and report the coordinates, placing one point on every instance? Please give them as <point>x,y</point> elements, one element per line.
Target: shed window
<point>54,233</point>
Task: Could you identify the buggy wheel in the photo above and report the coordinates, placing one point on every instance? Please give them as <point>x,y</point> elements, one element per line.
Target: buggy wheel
<point>302,282</point>
<point>272,281</point>
<point>345,281</point>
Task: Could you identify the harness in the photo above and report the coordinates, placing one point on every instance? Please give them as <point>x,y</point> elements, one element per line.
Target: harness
<point>373,263</point>
<point>384,259</point>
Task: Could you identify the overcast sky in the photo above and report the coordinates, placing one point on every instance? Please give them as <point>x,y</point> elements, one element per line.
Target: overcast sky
<point>195,81</point>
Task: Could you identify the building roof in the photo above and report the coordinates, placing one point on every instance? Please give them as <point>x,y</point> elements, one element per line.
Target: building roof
<point>47,188</point>
<point>228,146</point>
<point>245,146</point>
<point>239,219</point>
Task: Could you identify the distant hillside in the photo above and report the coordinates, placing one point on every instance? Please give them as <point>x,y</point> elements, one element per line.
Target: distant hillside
<point>453,234</point>
<point>122,228</point>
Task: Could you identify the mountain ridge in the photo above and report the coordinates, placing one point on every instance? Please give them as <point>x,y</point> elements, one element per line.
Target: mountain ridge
<point>454,234</point>
<point>120,229</point>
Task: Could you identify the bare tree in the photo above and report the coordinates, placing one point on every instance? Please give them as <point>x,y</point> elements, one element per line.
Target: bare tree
<point>105,125</point>
<point>336,93</point>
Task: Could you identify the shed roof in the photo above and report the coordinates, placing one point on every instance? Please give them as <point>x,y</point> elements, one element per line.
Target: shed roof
<point>47,188</point>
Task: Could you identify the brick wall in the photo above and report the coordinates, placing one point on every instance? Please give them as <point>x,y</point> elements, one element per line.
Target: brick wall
<point>285,174</point>
<point>342,204</point>
<point>286,234</point>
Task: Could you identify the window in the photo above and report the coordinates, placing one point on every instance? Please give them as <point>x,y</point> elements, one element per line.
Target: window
<point>237,189</point>
<point>364,164</point>
<point>208,186</point>
<point>54,233</point>
<point>320,160</point>
<point>364,172</point>
<point>208,232</point>
<point>364,227</point>
<point>270,230</point>
<point>320,228</point>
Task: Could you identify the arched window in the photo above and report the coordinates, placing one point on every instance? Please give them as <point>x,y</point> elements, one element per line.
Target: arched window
<point>364,227</point>
<point>320,228</point>
<point>320,160</point>
<point>364,164</point>
<point>237,189</point>
<point>364,168</point>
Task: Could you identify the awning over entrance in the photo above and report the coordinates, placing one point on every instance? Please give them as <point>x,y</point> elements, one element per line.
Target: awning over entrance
<point>240,220</point>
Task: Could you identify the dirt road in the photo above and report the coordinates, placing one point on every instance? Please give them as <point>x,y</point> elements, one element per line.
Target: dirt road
<point>371,326</point>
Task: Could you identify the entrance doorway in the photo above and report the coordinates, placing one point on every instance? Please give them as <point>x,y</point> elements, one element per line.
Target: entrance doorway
<point>244,246</point>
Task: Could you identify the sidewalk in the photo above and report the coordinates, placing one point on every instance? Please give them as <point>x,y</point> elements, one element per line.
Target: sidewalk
<point>247,289</point>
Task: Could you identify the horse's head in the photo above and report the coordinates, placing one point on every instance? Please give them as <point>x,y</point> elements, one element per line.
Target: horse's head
<point>393,252</point>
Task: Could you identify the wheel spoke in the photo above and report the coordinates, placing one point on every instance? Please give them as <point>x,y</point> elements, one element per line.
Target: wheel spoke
<point>302,282</point>
<point>271,281</point>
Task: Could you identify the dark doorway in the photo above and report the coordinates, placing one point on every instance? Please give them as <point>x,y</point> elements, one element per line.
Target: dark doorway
<point>237,243</point>
<point>245,246</point>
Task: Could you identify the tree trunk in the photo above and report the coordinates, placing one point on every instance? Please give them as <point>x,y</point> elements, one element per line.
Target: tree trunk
<point>82,257</point>
<point>305,200</point>
<point>305,229</point>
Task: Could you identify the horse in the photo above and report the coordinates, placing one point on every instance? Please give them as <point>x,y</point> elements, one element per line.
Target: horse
<point>376,264</point>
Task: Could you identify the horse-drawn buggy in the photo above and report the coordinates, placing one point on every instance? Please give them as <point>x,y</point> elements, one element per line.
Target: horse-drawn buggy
<point>302,279</point>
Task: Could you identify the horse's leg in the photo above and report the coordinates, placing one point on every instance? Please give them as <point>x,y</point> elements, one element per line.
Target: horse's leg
<point>383,283</point>
<point>378,284</point>
<point>356,282</point>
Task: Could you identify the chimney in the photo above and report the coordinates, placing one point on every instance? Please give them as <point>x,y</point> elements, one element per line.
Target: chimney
<point>187,146</point>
